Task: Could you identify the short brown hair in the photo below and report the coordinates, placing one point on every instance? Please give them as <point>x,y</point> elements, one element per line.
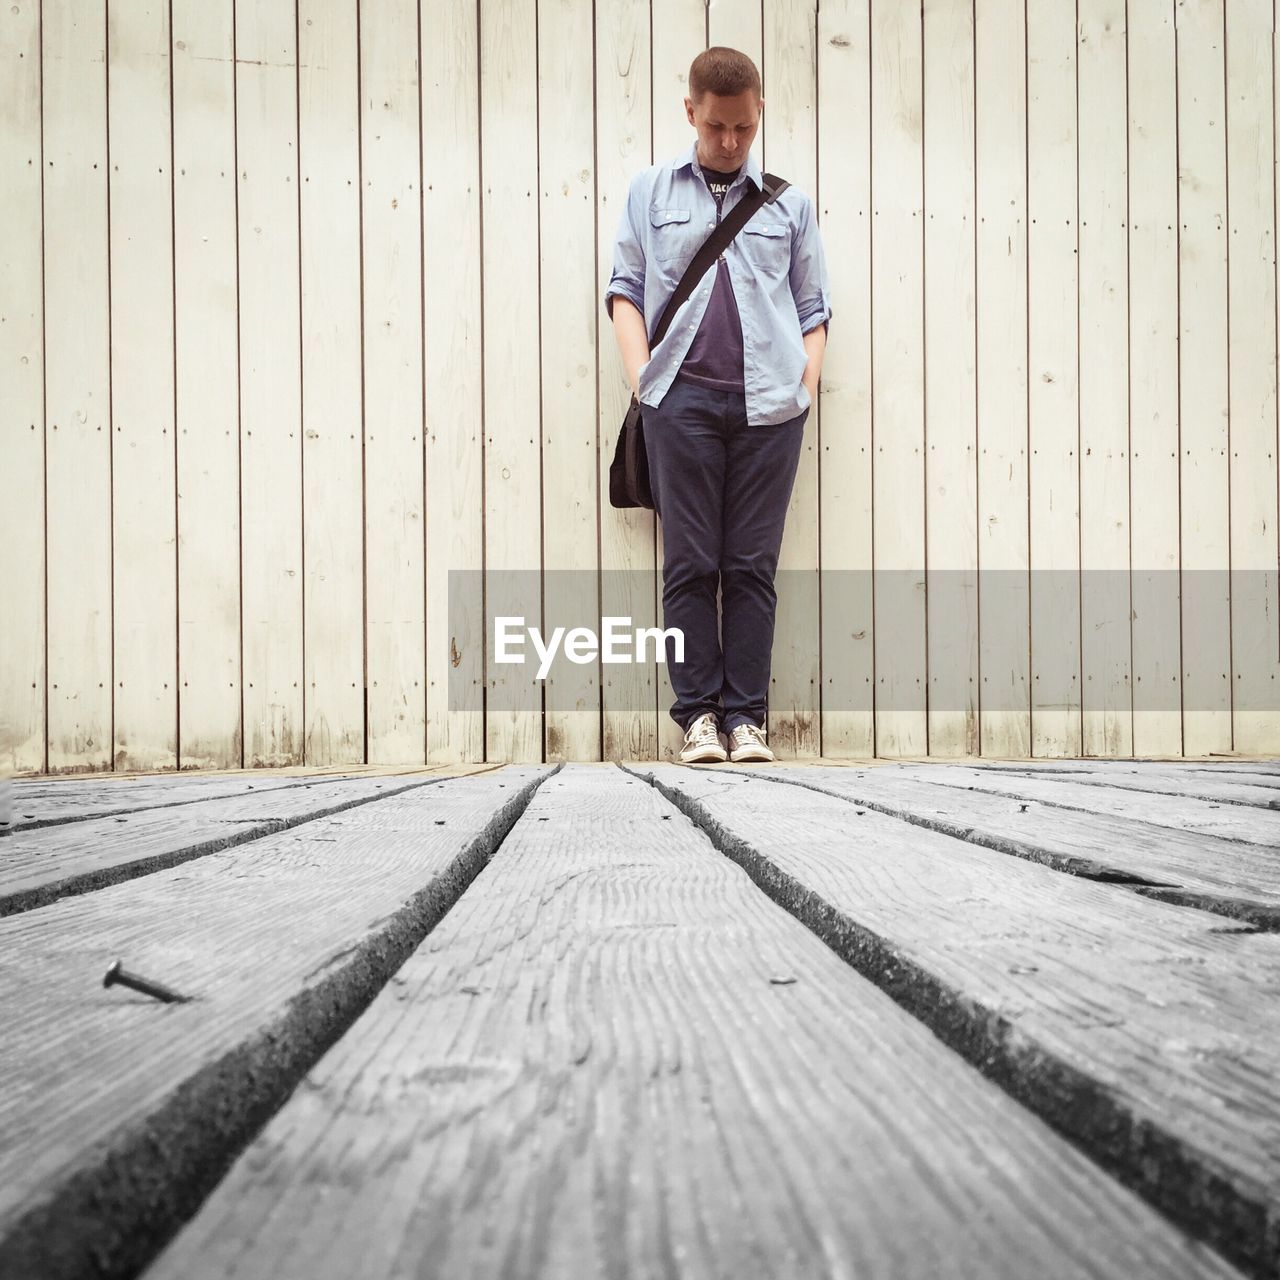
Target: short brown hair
<point>724,72</point>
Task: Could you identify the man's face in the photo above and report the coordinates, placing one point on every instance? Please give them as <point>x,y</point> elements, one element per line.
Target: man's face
<point>726,127</point>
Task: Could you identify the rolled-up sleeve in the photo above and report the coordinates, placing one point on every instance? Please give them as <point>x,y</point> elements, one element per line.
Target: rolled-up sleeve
<point>627,279</point>
<point>810,285</point>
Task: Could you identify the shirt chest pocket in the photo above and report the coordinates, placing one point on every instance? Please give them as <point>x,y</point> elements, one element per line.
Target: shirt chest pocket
<point>768,246</point>
<point>671,235</point>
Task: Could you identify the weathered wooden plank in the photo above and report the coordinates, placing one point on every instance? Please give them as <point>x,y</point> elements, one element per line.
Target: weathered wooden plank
<point>950,377</point>
<point>568,330</point>
<point>738,25</point>
<point>1004,552</point>
<point>77,379</point>
<point>629,586</point>
<point>207,379</point>
<point>1106,640</point>
<point>333,496</point>
<point>616,1058</point>
<point>1149,1035</point>
<point>1153,378</point>
<point>513,505</point>
<point>1246,823</point>
<point>56,784</point>
<point>395,535</point>
<point>845,468</point>
<point>897,373</point>
<point>22,515</point>
<point>449,52</point>
<point>270,382</point>
<point>76,803</point>
<point>1251,373</point>
<point>144,576</point>
<point>1210,872</point>
<point>1212,763</point>
<point>61,861</point>
<point>1203,393</point>
<point>119,1113</point>
<point>1268,769</point>
<point>1171,780</point>
<point>1053,386</point>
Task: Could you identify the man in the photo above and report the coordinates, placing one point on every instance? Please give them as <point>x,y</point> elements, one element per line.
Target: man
<point>725,395</point>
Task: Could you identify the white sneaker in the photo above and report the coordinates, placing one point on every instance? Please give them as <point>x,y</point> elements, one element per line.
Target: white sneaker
<point>747,742</point>
<point>703,741</point>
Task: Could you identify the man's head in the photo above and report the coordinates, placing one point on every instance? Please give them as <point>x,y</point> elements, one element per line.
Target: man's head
<point>724,105</point>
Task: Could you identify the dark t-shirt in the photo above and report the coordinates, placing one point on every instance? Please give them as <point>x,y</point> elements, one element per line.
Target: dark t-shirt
<point>715,358</point>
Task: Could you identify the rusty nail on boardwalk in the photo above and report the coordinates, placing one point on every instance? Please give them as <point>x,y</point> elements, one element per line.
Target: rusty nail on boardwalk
<point>118,974</point>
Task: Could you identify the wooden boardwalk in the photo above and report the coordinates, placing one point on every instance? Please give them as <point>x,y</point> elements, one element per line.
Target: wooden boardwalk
<point>906,1021</point>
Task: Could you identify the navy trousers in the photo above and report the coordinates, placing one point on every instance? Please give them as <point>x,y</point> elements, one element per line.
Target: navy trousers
<point>721,489</point>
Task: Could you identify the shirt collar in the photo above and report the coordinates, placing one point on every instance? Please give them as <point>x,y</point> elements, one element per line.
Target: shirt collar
<point>689,157</point>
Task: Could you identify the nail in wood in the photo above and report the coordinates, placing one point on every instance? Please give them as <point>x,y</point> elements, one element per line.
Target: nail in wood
<point>117,973</point>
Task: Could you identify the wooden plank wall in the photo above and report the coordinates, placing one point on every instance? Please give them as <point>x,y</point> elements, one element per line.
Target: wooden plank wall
<point>305,376</point>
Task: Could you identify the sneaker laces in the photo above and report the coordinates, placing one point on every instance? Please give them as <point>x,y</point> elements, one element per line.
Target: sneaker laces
<point>702,731</point>
<point>751,731</point>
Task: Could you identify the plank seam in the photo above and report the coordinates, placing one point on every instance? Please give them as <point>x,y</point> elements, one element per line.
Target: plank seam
<point>1260,916</point>
<point>36,823</point>
<point>111,1219</point>
<point>1214,1203</point>
<point>103,878</point>
<point>1079,808</point>
<point>1093,781</point>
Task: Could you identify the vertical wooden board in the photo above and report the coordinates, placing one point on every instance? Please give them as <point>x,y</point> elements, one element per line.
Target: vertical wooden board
<point>1003,537</point>
<point>22,522</point>
<point>332,488</point>
<point>77,385</point>
<point>1053,385</point>
<point>789,129</point>
<point>207,381</point>
<point>897,378</point>
<point>1251,320</point>
<point>950,380</point>
<point>740,24</point>
<point>394,489</point>
<point>844,474</point>
<point>512,376</point>
<point>454,449</point>
<point>624,145</point>
<point>679,35</point>
<point>143,472</point>
<point>1153,379</point>
<point>1105,605</point>
<point>1202,321</point>
<point>270,382</point>
<point>568,328</point>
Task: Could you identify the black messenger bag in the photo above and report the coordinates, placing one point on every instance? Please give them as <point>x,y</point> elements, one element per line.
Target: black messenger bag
<point>629,471</point>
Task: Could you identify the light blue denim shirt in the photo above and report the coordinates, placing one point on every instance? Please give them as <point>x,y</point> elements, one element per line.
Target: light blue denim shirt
<point>776,265</point>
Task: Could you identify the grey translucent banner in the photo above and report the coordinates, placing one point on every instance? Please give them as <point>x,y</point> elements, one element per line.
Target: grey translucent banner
<point>898,640</point>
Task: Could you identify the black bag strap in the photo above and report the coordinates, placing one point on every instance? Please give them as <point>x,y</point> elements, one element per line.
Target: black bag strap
<point>714,245</point>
